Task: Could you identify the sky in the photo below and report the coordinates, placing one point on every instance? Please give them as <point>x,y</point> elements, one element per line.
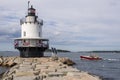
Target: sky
<point>75,25</point>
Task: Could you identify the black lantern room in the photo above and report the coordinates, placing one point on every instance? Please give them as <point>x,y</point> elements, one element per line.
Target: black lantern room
<point>31,11</point>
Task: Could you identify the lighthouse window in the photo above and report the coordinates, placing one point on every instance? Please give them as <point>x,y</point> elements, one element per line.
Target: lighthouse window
<point>24,33</point>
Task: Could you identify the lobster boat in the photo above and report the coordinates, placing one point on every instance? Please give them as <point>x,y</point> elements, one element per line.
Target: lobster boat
<point>91,57</point>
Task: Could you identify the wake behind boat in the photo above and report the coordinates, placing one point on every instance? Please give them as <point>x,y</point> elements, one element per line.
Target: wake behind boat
<point>91,57</point>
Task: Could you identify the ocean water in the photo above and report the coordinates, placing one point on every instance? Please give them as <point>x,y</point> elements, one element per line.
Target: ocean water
<point>107,69</point>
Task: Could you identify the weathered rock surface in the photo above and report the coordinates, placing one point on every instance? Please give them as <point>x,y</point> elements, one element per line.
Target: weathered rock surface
<point>1,61</point>
<point>45,68</point>
<point>7,62</point>
<point>67,61</point>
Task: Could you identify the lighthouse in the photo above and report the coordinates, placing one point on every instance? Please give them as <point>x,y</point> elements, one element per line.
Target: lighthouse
<point>31,43</point>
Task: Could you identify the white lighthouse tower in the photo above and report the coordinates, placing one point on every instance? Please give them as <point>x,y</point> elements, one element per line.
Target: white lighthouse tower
<point>31,43</point>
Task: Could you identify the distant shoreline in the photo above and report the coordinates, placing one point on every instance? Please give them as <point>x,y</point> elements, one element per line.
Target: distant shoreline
<point>60,50</point>
<point>99,51</point>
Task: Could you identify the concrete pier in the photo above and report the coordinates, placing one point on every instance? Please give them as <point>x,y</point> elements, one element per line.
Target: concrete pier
<point>44,68</point>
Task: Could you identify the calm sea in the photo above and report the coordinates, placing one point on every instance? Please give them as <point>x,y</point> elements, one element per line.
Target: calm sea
<point>107,69</point>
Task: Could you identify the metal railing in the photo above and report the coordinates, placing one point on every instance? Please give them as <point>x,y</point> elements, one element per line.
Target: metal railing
<point>23,20</point>
<point>29,43</point>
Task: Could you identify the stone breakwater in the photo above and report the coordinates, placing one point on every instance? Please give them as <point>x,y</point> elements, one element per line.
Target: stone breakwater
<point>45,68</point>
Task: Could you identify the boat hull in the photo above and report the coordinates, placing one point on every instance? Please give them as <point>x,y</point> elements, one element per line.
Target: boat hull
<point>90,58</point>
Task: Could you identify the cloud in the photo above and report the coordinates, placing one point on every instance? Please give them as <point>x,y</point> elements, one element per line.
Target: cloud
<point>70,24</point>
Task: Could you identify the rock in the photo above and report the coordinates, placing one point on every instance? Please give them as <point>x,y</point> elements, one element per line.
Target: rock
<point>38,78</point>
<point>24,73</point>
<point>68,69</point>
<point>1,75</point>
<point>67,61</point>
<point>72,78</point>
<point>1,61</point>
<point>54,58</point>
<point>54,78</point>
<point>39,66</point>
<point>10,64</point>
<point>73,74</point>
<point>8,78</point>
<point>55,74</point>
<point>43,69</point>
<point>80,76</point>
<point>24,78</point>
<point>48,70</point>
<point>7,63</point>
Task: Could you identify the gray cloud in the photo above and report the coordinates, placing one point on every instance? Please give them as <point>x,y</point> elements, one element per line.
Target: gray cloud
<point>80,24</point>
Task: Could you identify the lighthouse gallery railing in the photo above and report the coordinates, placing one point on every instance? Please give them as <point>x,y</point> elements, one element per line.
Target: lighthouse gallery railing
<point>31,43</point>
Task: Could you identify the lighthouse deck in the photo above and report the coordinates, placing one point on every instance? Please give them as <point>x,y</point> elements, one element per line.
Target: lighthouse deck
<point>29,42</point>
